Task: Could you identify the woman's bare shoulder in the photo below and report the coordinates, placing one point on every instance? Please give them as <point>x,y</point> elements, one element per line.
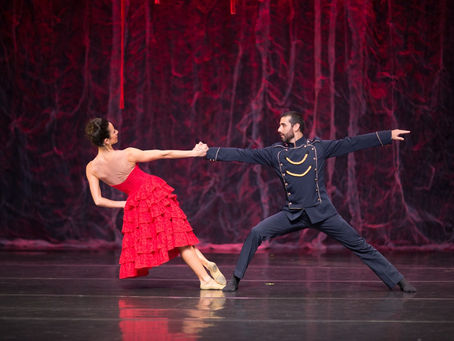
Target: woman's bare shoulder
<point>131,153</point>
<point>89,166</point>
<point>130,150</point>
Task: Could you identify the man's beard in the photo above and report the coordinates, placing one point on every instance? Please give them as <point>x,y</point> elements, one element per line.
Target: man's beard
<point>287,137</point>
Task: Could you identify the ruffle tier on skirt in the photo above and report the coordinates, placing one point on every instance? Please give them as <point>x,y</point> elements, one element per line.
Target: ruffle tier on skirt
<point>153,227</point>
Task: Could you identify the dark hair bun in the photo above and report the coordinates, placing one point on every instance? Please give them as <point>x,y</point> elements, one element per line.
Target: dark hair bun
<point>97,131</point>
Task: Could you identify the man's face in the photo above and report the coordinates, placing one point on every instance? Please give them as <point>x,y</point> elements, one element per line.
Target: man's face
<point>285,129</point>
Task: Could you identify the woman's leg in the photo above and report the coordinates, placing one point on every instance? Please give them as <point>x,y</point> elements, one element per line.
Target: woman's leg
<point>211,266</point>
<point>192,260</point>
<point>202,258</point>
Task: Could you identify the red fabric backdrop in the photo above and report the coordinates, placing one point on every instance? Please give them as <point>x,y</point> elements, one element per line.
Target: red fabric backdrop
<point>194,71</point>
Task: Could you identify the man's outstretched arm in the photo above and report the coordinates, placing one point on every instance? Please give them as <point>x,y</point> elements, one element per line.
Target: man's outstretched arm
<point>351,144</point>
<point>258,156</point>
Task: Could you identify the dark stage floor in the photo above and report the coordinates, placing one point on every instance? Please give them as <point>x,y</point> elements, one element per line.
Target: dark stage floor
<point>78,296</point>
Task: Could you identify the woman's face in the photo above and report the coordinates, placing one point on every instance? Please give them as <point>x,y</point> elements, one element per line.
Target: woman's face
<point>113,134</point>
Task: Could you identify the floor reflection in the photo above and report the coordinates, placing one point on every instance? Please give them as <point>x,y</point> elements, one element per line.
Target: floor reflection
<point>143,319</point>
<point>205,313</point>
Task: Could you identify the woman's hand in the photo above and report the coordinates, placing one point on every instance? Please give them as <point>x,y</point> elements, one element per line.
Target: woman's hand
<point>200,149</point>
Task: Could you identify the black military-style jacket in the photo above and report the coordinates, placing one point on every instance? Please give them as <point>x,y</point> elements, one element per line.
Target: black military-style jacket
<point>300,166</point>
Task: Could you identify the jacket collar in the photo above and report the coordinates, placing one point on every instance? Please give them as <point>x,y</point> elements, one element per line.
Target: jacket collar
<point>297,143</point>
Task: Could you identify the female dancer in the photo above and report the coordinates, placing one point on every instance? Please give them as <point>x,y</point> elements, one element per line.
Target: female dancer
<point>155,229</point>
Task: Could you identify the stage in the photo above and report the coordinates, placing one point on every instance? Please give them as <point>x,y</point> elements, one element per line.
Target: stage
<point>330,296</point>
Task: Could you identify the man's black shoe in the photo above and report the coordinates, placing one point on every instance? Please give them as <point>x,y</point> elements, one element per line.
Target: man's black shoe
<point>232,285</point>
<point>405,286</point>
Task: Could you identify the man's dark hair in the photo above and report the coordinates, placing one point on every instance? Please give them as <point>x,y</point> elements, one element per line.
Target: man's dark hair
<point>295,117</point>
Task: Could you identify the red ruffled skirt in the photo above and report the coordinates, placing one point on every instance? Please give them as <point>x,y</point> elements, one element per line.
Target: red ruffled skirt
<point>153,227</point>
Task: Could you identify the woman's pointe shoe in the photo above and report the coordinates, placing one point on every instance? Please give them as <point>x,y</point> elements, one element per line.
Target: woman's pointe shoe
<point>216,273</point>
<point>211,285</point>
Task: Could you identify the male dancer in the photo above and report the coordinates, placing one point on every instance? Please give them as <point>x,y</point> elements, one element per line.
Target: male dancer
<point>300,164</point>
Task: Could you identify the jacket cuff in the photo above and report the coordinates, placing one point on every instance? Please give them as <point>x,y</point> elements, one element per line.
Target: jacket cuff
<point>384,137</point>
<point>212,153</point>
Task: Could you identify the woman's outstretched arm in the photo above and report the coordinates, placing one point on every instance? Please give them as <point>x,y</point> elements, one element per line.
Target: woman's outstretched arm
<point>95,191</point>
<point>137,155</point>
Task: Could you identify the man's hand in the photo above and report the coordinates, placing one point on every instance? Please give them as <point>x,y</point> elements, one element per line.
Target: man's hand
<point>396,132</point>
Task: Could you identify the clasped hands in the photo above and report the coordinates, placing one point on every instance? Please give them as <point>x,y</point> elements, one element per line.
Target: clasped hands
<point>200,149</point>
